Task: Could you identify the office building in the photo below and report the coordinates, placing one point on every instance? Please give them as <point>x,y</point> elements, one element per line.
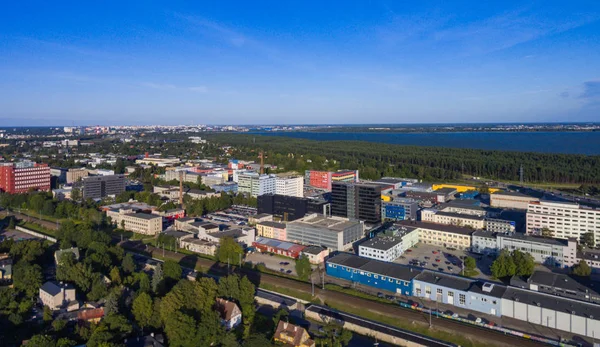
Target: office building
<point>514,200</point>
<point>563,219</point>
<point>289,208</point>
<point>290,186</point>
<point>98,187</point>
<point>335,233</point>
<point>255,185</point>
<point>227,187</point>
<point>76,174</point>
<point>59,174</point>
<point>360,201</point>
<point>399,209</point>
<point>499,225</point>
<point>24,176</point>
<point>324,179</point>
<point>445,194</point>
<point>141,223</point>
<point>452,218</point>
<point>441,235</point>
<point>389,248</point>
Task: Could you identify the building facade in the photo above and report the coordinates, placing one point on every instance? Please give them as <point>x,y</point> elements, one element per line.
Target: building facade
<point>442,235</point>
<point>272,230</point>
<point>335,233</point>
<point>392,277</point>
<point>356,201</point>
<point>98,187</point>
<point>56,295</point>
<point>389,245</point>
<point>24,176</point>
<point>324,179</point>
<point>399,209</point>
<point>141,223</point>
<point>286,249</point>
<point>76,174</point>
<point>289,208</point>
<point>552,252</point>
<point>513,200</point>
<point>564,220</point>
<point>290,186</point>
<point>500,225</point>
<point>255,185</point>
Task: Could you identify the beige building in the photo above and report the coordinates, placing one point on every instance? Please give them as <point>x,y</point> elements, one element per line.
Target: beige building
<point>272,230</point>
<point>564,219</point>
<point>514,200</point>
<point>74,175</point>
<point>453,218</point>
<point>199,246</point>
<point>442,235</point>
<point>290,186</point>
<point>57,295</point>
<point>292,335</point>
<point>141,223</point>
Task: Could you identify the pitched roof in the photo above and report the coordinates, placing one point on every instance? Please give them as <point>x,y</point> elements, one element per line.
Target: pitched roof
<point>94,313</point>
<point>291,330</point>
<point>53,288</point>
<point>227,309</point>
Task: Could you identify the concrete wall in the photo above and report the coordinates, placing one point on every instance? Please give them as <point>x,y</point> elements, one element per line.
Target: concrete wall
<point>35,233</point>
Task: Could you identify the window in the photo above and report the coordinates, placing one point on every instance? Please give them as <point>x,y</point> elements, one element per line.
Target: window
<point>461,299</point>
<point>427,290</point>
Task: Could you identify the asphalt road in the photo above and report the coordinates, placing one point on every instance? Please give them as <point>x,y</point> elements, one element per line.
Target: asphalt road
<point>481,335</point>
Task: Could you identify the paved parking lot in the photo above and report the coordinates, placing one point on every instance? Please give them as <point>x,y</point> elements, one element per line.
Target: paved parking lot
<point>16,235</point>
<point>273,262</point>
<point>441,259</point>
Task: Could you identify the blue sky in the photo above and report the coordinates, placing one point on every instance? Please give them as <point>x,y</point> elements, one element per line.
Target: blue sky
<point>259,62</point>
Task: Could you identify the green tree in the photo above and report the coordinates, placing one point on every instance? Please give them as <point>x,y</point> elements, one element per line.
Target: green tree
<point>75,194</point>
<point>48,208</point>
<point>582,269</point>
<point>47,315</point>
<point>470,263</point>
<point>142,310</point>
<point>172,270</point>
<point>303,268</point>
<point>41,341</point>
<point>144,282</point>
<point>59,324</point>
<point>246,300</point>
<point>281,314</point>
<point>11,222</point>
<point>257,340</point>
<point>27,278</point>
<point>128,264</point>
<point>334,335</point>
<point>229,251</point>
<point>180,329</point>
<point>588,239</point>
<point>504,265</point>
<point>524,263</point>
<point>546,232</point>
<point>229,287</point>
<point>112,302</point>
<point>157,278</point>
<point>98,289</point>
<point>115,275</point>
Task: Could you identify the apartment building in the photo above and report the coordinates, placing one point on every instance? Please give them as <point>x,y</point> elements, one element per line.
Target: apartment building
<point>290,186</point>
<point>255,185</point>
<point>56,295</point>
<point>21,177</point>
<point>272,230</point>
<point>141,223</point>
<point>324,179</point>
<point>564,219</point>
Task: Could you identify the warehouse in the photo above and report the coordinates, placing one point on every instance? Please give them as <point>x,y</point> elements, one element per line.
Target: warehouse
<point>552,311</point>
<point>484,297</point>
<point>374,273</point>
<point>287,249</point>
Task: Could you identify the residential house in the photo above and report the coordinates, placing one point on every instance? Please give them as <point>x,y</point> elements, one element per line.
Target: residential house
<point>231,315</point>
<point>292,335</point>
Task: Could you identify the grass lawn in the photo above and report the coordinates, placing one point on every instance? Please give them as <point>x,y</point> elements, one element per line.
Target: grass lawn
<point>287,291</point>
<point>38,228</point>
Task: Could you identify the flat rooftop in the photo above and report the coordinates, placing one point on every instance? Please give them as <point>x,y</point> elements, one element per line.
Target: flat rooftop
<point>382,243</point>
<point>331,223</point>
<point>145,216</point>
<point>438,227</point>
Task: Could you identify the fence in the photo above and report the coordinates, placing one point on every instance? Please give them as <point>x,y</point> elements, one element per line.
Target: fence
<point>35,233</point>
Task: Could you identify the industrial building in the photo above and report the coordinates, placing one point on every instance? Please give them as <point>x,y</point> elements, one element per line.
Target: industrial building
<point>335,233</point>
<point>24,176</point>
<point>392,277</point>
<point>484,297</point>
<point>98,187</point>
<point>286,249</point>
<point>563,219</point>
<point>513,200</point>
<point>442,235</point>
<point>361,201</point>
<point>399,209</point>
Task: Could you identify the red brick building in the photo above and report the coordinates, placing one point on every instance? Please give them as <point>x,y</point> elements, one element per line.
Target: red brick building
<point>24,176</point>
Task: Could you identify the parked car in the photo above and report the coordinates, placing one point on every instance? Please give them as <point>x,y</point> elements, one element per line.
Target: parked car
<point>434,252</point>
<point>450,268</point>
<point>478,320</point>
<point>380,295</point>
<point>455,315</point>
<point>288,272</point>
<point>434,265</point>
<point>437,260</point>
<point>409,250</point>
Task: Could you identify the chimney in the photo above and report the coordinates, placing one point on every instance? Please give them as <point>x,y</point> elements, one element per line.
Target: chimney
<point>285,324</point>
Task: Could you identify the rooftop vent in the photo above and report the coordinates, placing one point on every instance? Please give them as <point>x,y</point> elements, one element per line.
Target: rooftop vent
<point>487,287</point>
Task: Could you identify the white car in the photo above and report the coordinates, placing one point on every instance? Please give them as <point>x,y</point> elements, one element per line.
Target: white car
<point>478,320</point>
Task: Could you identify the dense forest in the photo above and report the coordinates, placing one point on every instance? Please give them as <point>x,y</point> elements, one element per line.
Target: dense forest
<point>375,160</point>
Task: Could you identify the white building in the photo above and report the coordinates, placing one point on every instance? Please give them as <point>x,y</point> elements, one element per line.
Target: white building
<point>564,219</point>
<point>254,184</point>
<point>514,200</point>
<point>290,186</point>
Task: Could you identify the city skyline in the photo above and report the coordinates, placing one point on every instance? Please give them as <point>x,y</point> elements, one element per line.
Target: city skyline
<point>340,63</point>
